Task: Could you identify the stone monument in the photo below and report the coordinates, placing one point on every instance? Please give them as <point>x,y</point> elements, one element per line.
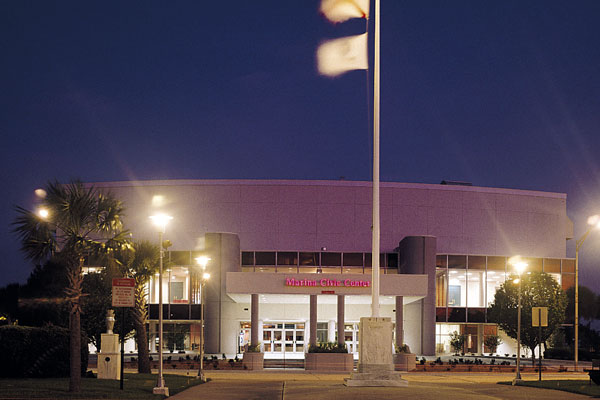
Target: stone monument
<point>375,360</point>
<point>109,359</point>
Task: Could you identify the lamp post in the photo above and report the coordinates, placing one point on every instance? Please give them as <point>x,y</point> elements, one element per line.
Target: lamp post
<point>593,222</point>
<point>202,261</point>
<point>519,267</point>
<point>160,221</point>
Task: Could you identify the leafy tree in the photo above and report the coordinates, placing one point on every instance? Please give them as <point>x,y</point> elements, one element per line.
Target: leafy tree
<point>492,342</point>
<point>457,342</point>
<point>538,289</point>
<point>78,220</point>
<point>588,305</point>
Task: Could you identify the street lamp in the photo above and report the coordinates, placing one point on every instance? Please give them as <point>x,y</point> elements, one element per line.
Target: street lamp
<point>593,222</point>
<point>160,220</point>
<point>520,266</point>
<point>202,261</point>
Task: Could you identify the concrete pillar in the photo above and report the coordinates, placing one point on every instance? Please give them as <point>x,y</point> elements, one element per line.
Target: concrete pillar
<point>254,320</point>
<point>417,256</point>
<point>331,331</point>
<point>313,320</point>
<point>221,323</point>
<point>399,320</point>
<point>340,318</point>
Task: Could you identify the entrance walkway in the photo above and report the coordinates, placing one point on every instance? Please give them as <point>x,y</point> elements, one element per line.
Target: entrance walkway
<point>288,385</point>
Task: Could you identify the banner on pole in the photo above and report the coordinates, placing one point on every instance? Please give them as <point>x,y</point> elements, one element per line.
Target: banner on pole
<point>123,292</point>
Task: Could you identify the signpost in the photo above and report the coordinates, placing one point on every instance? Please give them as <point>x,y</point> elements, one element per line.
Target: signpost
<point>123,295</point>
<point>539,318</point>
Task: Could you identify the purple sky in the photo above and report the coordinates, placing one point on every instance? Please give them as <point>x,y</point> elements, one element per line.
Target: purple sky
<point>501,94</point>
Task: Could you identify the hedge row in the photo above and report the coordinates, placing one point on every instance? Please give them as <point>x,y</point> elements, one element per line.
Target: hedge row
<point>567,354</point>
<point>36,352</point>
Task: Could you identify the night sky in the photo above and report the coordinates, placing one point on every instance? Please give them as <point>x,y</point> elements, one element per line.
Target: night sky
<point>497,93</point>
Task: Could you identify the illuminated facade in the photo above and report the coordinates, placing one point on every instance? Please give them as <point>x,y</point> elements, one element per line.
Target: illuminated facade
<point>444,253</point>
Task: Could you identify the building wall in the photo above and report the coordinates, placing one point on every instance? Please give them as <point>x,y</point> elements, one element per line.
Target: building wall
<point>309,215</point>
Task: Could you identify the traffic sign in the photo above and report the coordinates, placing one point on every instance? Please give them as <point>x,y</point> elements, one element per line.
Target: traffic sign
<point>123,292</point>
<point>539,314</point>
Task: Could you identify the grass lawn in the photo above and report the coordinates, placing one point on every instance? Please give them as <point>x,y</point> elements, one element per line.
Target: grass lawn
<point>567,385</point>
<point>135,386</point>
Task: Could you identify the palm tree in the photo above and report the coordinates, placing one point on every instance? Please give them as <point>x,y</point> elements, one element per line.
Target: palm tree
<point>141,267</point>
<point>78,220</point>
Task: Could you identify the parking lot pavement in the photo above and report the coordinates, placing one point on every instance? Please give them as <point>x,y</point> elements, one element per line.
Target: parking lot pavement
<point>312,386</point>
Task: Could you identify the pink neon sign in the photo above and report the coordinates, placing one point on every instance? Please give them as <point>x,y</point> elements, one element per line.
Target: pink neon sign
<point>327,282</point>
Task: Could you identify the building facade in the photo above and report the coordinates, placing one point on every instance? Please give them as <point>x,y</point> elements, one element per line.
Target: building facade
<point>294,256</point>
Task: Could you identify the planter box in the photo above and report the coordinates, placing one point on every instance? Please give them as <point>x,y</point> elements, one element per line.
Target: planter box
<point>405,361</point>
<point>253,361</point>
<point>329,362</point>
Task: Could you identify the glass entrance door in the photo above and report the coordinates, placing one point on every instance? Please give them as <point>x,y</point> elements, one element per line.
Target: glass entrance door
<point>280,338</point>
<point>351,337</point>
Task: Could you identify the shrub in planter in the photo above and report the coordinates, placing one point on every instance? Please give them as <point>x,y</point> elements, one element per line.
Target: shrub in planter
<point>328,347</point>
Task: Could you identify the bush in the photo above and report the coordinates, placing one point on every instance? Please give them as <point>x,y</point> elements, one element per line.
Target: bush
<point>37,352</point>
<point>328,347</point>
<point>559,354</point>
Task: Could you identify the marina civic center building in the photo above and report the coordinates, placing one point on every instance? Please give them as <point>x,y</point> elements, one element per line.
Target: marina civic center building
<point>295,256</point>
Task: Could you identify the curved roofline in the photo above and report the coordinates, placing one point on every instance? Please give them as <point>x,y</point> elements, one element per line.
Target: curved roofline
<point>298,182</point>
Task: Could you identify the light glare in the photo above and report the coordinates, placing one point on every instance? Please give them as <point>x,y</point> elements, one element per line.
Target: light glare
<point>202,261</point>
<point>160,220</point>
<point>43,213</point>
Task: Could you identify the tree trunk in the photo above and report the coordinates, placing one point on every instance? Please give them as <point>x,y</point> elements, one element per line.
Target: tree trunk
<point>143,352</point>
<point>75,351</point>
<point>74,295</point>
<point>140,315</point>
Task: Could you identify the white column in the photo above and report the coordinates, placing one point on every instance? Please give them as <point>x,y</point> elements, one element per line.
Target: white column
<point>331,331</point>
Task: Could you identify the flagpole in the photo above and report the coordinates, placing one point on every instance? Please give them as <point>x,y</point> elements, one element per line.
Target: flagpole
<point>376,228</point>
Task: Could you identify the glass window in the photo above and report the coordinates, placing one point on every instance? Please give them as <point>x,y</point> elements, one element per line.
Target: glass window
<point>307,270</point>
<point>552,265</point>
<point>476,314</point>
<point>568,265</point>
<point>330,270</point>
<point>457,287</point>
<point>287,258</point>
<point>265,269</point>
<point>442,337</point>
<point>568,280</point>
<point>476,262</point>
<point>265,258</point>
<point>440,314</point>
<point>476,288</point>
<point>441,261</point>
<point>247,258</point>
<point>441,290</point>
<point>368,260</point>
<point>247,269</point>
<point>353,259</point>
<point>457,315</point>
<point>331,259</point>
<point>457,262</point>
<point>495,263</point>
<point>287,270</point>
<point>322,332</point>
<point>180,257</point>
<point>309,258</point>
<point>352,270</point>
<point>493,281</point>
<point>392,260</point>
<point>533,264</point>
<point>178,285</point>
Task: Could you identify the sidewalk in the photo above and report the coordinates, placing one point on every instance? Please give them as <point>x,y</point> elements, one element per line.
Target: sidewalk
<point>292,385</point>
